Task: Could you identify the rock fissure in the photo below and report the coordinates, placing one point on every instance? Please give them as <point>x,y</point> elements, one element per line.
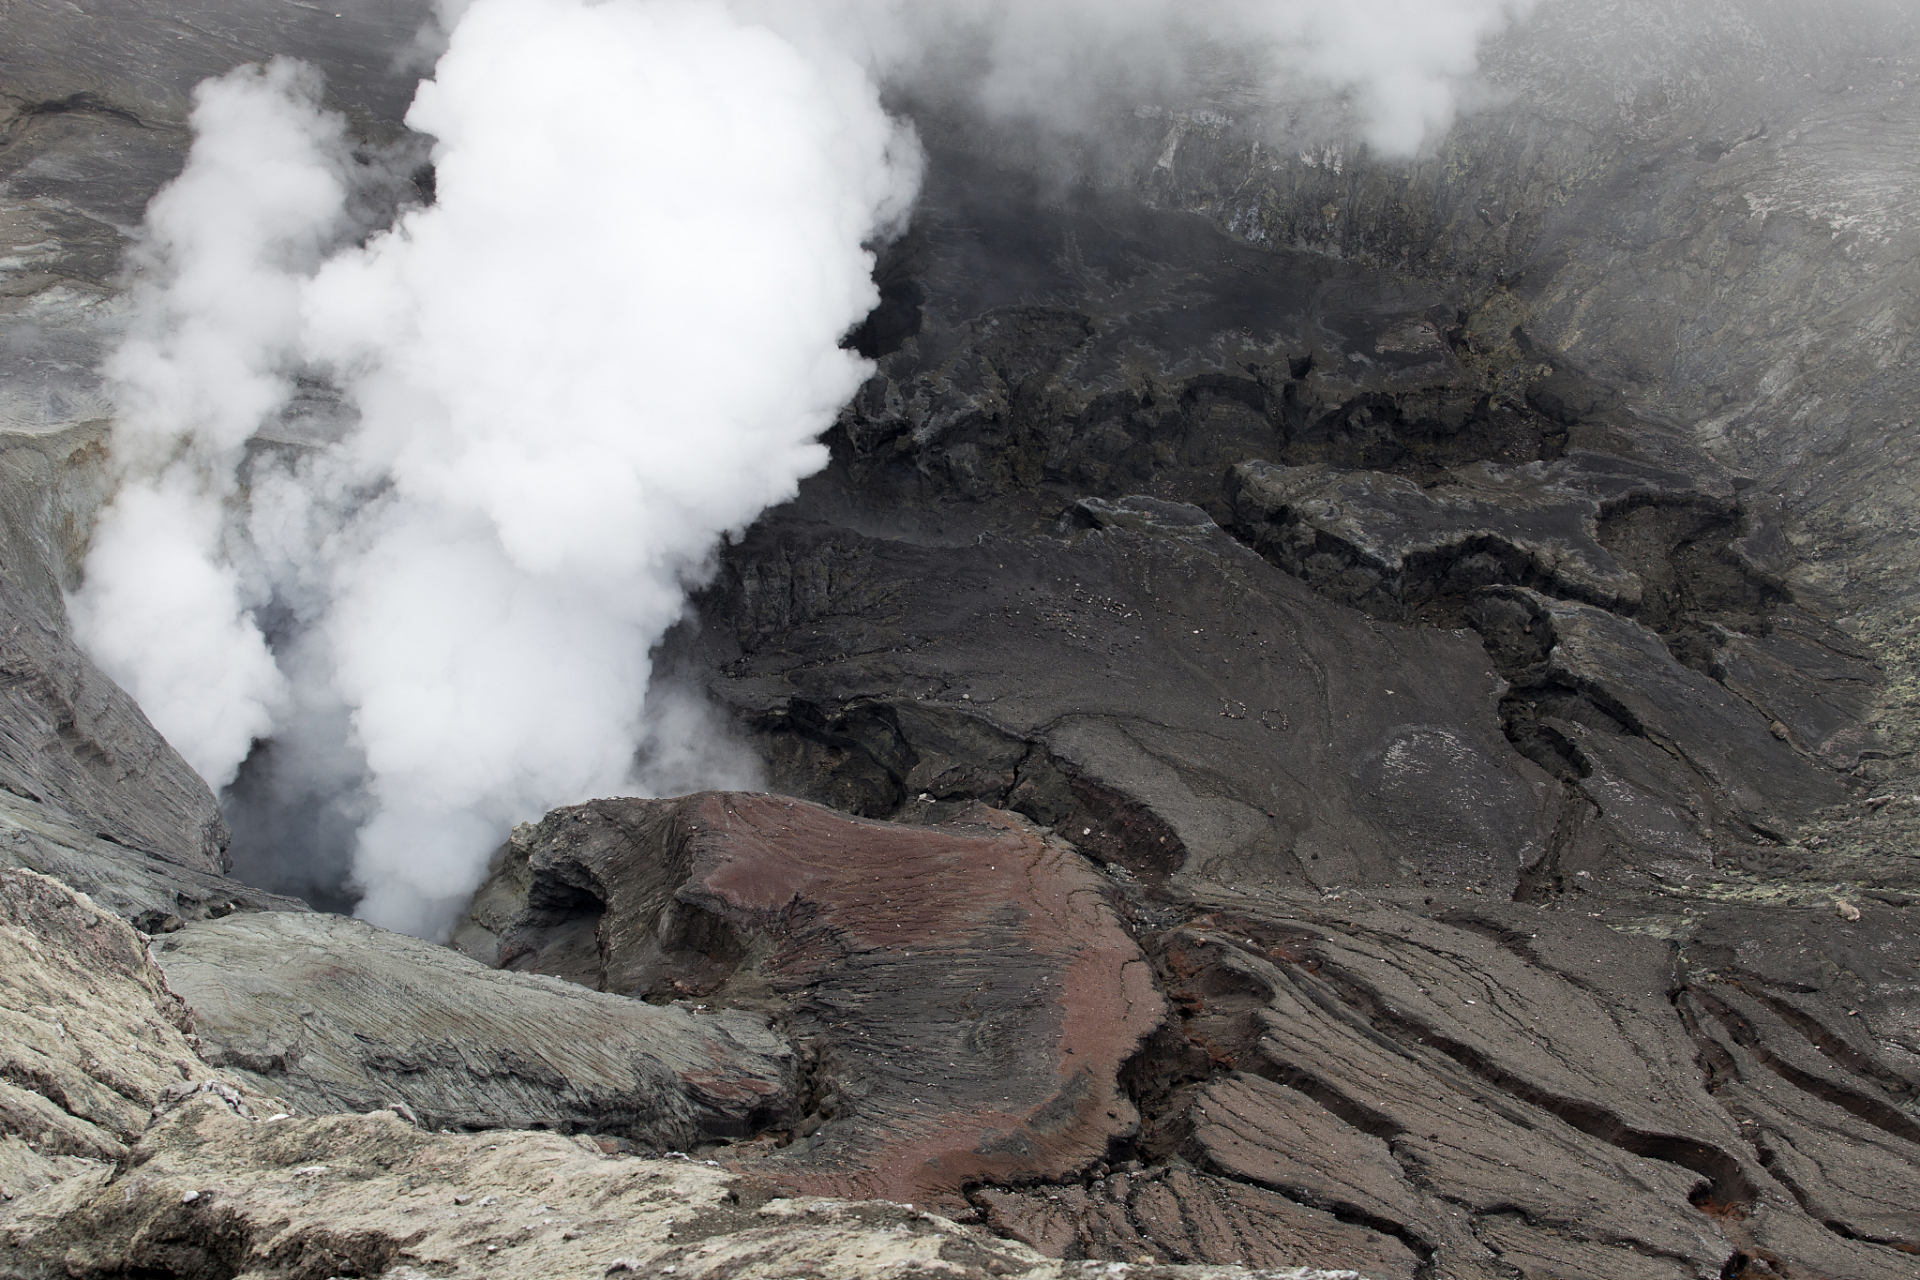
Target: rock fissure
<point>1875,1111</point>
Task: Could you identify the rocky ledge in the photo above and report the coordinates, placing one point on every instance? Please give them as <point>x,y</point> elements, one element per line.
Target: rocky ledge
<point>148,1161</point>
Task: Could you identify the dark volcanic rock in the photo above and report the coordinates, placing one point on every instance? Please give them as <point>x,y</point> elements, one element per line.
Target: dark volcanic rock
<point>1389,545</point>
<point>1008,586</point>
<point>1554,1079</point>
<point>334,1015</point>
<point>1175,1214</point>
<point>1137,659</point>
<point>965,993</point>
<point>1506,1086</point>
<point>1661,754</point>
<point>1353,590</point>
<point>1327,549</point>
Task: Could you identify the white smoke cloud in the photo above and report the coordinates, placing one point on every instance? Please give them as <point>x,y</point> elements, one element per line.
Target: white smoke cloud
<point>612,337</point>
<point>1406,66</point>
<point>227,249</point>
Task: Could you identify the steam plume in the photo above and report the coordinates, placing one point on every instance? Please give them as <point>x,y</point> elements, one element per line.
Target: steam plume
<point>1404,66</point>
<point>217,308</point>
<point>612,336</point>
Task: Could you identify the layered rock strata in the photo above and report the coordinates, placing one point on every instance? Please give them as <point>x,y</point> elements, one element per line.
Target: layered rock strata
<point>333,1015</point>
<point>964,995</point>
<point>123,1153</point>
<point>92,1040</point>
<point>1502,1087</point>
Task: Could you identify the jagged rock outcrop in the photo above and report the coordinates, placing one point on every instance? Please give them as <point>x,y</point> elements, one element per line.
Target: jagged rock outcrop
<point>91,1040</point>
<point>1597,1127</point>
<point>965,993</point>
<point>1143,682</point>
<point>1022,579</point>
<point>124,1154</point>
<point>1388,544</point>
<point>1586,1093</point>
<point>334,1015</point>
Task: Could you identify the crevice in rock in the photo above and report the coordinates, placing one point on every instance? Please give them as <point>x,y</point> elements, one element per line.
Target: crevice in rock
<point>1160,1080</point>
<point>1174,1139</point>
<point>1880,1114</point>
<point>1546,880</point>
<point>1682,550</point>
<point>1834,1047</point>
<point>1418,433</point>
<point>1728,1185</point>
<point>1675,562</point>
<point>82,103</point>
<point>919,763</point>
<point>1771,1162</point>
<point>1217,1033</point>
<point>855,759</point>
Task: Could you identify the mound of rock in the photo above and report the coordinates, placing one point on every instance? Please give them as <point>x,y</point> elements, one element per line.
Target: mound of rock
<point>964,994</point>
<point>91,1041</point>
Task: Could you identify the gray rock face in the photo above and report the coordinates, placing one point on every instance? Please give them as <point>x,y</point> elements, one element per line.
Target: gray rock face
<point>1148,665</point>
<point>93,99</point>
<point>212,1193</point>
<point>1011,586</point>
<point>1414,1090</point>
<point>121,1153</point>
<point>1582,1094</point>
<point>1173,547</point>
<point>1705,230</point>
<point>334,1015</point>
<point>1397,544</point>
<point>93,794</point>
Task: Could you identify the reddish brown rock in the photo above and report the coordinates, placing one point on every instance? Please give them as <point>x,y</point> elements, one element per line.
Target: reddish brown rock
<point>966,993</point>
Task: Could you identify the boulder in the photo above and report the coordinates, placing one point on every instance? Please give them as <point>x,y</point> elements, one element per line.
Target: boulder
<point>965,993</point>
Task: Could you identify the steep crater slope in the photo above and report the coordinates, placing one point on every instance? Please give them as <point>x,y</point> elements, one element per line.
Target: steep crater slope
<point>1325,597</point>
